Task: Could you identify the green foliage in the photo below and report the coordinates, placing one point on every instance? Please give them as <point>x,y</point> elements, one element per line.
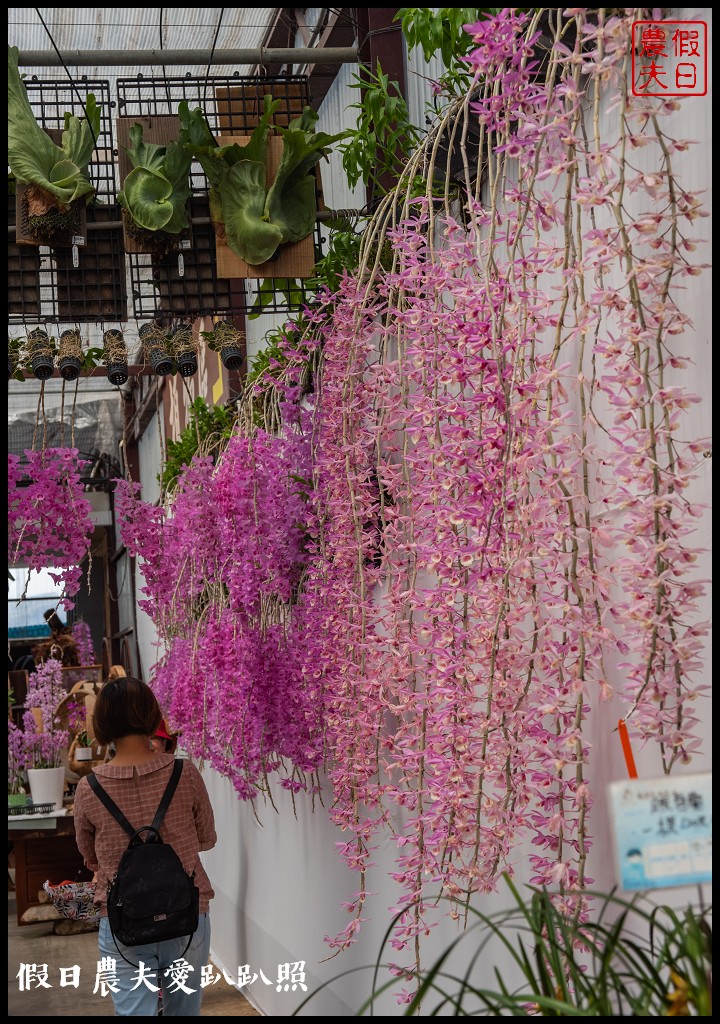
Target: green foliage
<point>290,202</point>
<point>272,353</point>
<point>288,287</point>
<point>92,357</point>
<point>34,158</point>
<point>384,137</point>
<point>15,355</point>
<point>258,220</point>
<point>342,256</point>
<point>208,427</point>
<point>632,958</point>
<point>442,30</point>
<point>157,189</point>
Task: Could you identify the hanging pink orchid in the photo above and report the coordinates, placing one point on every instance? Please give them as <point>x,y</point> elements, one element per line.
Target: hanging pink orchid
<point>49,520</point>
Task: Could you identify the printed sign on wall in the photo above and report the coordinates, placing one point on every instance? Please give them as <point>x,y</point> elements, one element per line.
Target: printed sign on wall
<point>663,831</point>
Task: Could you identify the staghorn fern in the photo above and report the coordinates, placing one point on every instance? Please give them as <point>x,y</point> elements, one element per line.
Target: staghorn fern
<point>156,190</point>
<point>35,160</point>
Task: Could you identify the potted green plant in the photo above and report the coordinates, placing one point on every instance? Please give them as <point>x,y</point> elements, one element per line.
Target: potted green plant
<point>70,355</point>
<point>155,192</point>
<point>185,350</point>
<point>154,338</point>
<point>41,349</point>
<point>115,357</point>
<point>56,176</point>
<point>228,341</point>
<point>256,218</point>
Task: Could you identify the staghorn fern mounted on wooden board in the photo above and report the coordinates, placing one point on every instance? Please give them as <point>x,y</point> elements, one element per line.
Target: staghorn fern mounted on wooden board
<point>55,175</point>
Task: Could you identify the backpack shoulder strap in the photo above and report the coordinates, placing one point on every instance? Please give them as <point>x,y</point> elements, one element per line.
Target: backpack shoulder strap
<point>118,815</point>
<point>167,795</point>
<point>110,804</point>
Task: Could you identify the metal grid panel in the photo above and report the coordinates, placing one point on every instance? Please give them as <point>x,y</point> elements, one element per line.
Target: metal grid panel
<point>49,101</point>
<point>50,287</point>
<point>23,275</point>
<point>94,290</point>
<point>185,283</point>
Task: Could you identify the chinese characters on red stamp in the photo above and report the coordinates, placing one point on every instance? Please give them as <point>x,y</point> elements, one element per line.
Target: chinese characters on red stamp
<point>669,58</point>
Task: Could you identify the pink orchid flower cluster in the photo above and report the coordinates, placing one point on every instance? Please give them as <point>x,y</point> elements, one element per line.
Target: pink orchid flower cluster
<point>17,758</point>
<point>44,742</point>
<point>222,564</point>
<point>49,517</point>
<point>83,643</point>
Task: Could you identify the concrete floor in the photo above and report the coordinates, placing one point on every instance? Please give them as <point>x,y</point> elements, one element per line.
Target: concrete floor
<point>37,944</point>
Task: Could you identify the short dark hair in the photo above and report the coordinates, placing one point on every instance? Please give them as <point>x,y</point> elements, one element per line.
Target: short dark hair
<point>125,707</point>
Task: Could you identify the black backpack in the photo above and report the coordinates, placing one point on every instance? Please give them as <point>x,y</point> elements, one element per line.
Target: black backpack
<point>151,898</point>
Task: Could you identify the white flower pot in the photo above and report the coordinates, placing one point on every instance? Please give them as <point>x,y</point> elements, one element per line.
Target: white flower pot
<point>47,786</point>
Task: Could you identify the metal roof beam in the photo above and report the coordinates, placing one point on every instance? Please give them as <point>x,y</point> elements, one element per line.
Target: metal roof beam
<point>262,55</point>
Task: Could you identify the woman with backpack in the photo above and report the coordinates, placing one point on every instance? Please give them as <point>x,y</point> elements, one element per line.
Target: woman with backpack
<point>129,795</point>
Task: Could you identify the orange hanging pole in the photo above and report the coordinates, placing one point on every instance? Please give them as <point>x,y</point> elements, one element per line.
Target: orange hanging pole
<point>627,749</point>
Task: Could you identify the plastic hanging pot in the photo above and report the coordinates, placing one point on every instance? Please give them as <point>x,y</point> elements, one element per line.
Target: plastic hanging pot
<point>116,357</point>
<point>42,362</point>
<point>117,373</point>
<point>161,362</point>
<point>43,366</point>
<point>187,364</point>
<point>232,357</point>
<point>70,367</point>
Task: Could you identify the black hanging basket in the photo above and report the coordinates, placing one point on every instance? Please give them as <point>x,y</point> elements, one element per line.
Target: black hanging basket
<point>161,362</point>
<point>232,357</point>
<point>43,366</point>
<point>187,364</point>
<point>70,367</point>
<point>117,374</point>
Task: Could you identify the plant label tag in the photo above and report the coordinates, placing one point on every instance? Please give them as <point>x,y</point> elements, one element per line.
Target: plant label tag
<point>78,239</point>
<point>75,257</point>
<point>181,265</point>
<point>663,831</point>
<point>184,243</point>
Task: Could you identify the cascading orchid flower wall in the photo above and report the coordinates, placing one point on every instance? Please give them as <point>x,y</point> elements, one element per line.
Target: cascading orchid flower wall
<point>428,576</point>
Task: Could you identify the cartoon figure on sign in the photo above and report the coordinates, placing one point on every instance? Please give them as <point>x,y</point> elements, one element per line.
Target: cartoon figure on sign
<point>634,869</point>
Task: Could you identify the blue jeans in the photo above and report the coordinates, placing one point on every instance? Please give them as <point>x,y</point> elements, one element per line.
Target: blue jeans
<point>136,997</point>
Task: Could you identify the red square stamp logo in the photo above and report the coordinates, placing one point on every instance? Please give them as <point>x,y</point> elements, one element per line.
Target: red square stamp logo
<point>669,58</point>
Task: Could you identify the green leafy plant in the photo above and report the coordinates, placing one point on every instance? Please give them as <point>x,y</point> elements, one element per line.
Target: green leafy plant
<point>385,136</point>
<point>57,175</point>
<point>630,958</point>
<point>442,30</point>
<point>342,256</point>
<point>156,190</point>
<point>16,363</point>
<point>288,287</point>
<point>209,428</point>
<point>257,219</point>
